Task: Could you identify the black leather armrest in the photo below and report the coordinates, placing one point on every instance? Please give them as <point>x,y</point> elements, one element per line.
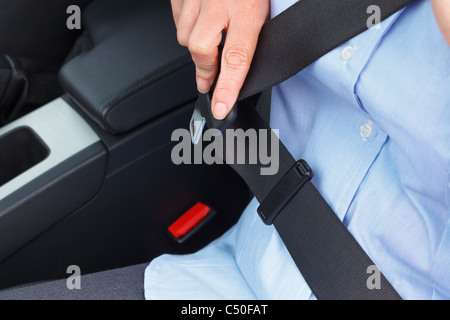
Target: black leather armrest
<point>136,69</point>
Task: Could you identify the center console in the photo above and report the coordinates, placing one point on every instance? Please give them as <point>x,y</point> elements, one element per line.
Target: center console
<point>88,179</point>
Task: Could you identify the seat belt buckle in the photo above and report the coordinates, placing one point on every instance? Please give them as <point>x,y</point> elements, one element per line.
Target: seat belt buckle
<point>203,116</point>
<point>283,192</point>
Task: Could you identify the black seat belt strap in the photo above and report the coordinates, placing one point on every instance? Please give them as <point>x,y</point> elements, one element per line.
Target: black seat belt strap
<point>331,261</point>
<point>306,31</point>
<point>329,258</point>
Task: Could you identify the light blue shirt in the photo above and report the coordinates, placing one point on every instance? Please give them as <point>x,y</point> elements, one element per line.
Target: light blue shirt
<point>372,118</point>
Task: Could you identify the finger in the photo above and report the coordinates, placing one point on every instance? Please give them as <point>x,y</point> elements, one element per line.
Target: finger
<point>177,6</point>
<point>187,20</point>
<point>442,13</point>
<point>203,45</point>
<point>240,45</point>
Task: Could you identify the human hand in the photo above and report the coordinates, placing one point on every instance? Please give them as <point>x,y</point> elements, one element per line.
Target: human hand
<point>441,10</point>
<point>199,27</point>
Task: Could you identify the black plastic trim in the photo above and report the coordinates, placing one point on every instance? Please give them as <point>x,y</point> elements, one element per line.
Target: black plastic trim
<point>37,206</point>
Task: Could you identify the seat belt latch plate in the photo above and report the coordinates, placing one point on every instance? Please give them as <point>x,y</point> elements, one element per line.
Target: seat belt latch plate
<point>203,116</point>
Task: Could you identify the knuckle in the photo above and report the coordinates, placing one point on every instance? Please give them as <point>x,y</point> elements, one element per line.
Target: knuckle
<point>204,58</point>
<point>255,6</point>
<point>182,37</point>
<point>206,72</point>
<point>237,57</point>
<point>256,10</point>
<point>198,48</point>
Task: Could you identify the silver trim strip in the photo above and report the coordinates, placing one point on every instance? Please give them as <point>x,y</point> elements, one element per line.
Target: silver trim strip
<point>64,132</point>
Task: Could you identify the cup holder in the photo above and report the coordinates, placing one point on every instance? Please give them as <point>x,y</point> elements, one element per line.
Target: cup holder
<point>20,150</point>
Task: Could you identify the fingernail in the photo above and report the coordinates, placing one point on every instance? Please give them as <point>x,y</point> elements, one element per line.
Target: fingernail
<point>203,85</point>
<point>220,111</point>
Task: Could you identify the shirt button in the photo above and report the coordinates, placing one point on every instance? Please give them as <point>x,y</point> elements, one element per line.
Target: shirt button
<point>348,53</point>
<point>366,130</point>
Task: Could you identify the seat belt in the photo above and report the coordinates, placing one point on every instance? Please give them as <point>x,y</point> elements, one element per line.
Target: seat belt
<point>329,258</point>
<point>305,32</point>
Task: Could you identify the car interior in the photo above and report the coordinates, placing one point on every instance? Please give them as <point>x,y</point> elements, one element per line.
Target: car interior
<point>86,118</point>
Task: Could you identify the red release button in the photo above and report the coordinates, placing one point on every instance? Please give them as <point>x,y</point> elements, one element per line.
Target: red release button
<point>189,220</point>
